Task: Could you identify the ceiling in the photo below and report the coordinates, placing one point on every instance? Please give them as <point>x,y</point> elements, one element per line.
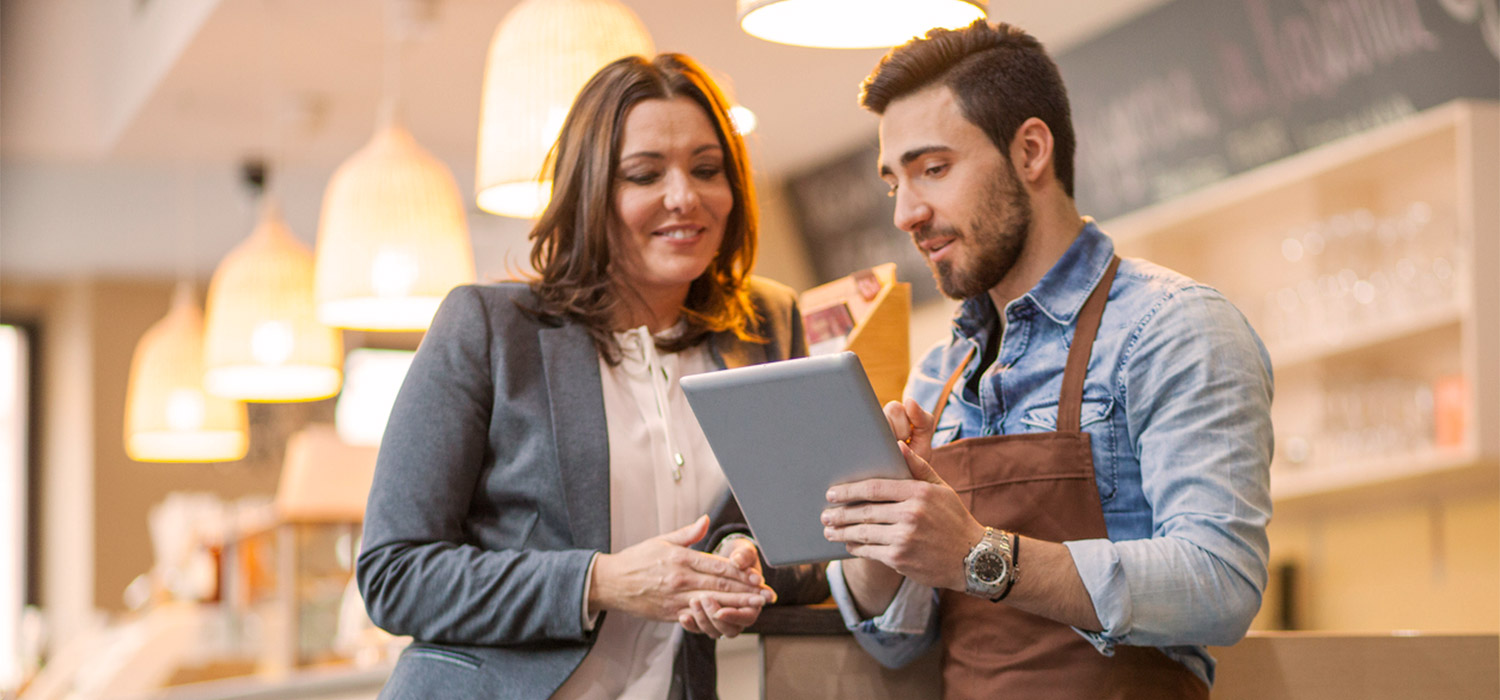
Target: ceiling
<point>164,87</point>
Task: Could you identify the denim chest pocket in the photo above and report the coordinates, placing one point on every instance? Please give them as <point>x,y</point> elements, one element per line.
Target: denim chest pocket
<point>1096,419</point>
<point>947,429</point>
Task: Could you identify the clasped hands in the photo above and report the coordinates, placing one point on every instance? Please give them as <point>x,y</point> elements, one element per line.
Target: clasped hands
<point>917,527</point>
<point>662,579</point>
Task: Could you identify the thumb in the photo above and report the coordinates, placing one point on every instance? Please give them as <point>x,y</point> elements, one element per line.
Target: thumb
<point>688,534</point>
<point>920,469</point>
<point>921,427</point>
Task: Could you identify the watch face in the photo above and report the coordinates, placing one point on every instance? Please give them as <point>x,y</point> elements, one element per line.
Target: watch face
<point>989,566</point>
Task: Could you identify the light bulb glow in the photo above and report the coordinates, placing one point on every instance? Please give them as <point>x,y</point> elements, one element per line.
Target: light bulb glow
<point>271,342</point>
<point>393,273</point>
<point>185,409</point>
<point>853,24</point>
<point>743,119</point>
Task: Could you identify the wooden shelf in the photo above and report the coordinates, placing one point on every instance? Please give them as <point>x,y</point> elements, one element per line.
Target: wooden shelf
<point>1429,472</point>
<point>1231,235</point>
<point>1364,338</point>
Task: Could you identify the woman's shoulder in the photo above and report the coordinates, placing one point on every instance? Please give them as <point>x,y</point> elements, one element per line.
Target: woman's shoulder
<point>504,305</point>
<point>770,294</point>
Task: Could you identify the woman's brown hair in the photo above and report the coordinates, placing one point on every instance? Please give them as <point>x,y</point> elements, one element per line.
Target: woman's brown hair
<point>572,242</point>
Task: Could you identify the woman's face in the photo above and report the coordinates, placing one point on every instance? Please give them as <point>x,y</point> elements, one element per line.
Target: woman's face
<point>671,195</point>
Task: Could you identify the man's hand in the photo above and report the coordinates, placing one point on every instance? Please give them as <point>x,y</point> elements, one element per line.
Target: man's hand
<point>919,527</point>
<point>658,579</point>
<point>912,425</point>
<point>708,614</point>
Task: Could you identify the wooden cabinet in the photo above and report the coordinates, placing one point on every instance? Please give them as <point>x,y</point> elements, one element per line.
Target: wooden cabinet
<point>1371,269</point>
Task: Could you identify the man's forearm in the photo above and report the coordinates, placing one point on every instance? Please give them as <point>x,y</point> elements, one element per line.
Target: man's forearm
<point>1049,586</point>
<point>872,584</point>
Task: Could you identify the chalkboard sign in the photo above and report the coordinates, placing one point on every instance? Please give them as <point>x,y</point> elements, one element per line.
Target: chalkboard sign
<point>1198,90</point>
<point>846,218</point>
<point>1191,93</point>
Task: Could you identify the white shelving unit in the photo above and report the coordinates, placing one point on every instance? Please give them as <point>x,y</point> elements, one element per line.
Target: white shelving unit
<point>1371,268</point>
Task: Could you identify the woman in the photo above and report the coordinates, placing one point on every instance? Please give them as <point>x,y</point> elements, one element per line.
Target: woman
<point>535,518</point>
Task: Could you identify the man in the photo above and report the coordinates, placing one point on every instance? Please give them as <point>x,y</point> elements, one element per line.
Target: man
<point>1098,430</point>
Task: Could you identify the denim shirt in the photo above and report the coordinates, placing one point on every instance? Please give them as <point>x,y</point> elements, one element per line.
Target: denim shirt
<point>1177,405</point>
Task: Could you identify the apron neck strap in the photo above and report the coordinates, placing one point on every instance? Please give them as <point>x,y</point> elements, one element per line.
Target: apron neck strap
<point>1070,404</point>
<point>937,412</point>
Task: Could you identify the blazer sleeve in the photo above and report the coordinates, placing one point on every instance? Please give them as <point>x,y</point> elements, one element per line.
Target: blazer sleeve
<point>419,573</point>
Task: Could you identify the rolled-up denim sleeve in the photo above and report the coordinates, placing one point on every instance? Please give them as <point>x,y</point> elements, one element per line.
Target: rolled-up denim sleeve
<point>906,629</point>
<point>1199,389</point>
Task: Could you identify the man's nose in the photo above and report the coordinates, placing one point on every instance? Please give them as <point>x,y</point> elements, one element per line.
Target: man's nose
<point>912,214</point>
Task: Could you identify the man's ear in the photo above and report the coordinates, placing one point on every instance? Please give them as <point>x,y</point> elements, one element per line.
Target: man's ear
<point>1031,151</point>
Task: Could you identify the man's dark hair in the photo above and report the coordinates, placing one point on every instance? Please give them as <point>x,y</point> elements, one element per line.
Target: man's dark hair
<point>1001,75</point>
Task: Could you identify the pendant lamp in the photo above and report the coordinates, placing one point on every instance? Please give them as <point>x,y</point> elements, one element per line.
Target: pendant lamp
<point>168,415</point>
<point>853,24</point>
<point>392,238</point>
<point>263,340</point>
<point>541,55</point>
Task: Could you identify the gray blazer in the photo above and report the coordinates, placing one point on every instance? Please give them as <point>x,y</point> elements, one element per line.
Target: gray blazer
<point>491,495</point>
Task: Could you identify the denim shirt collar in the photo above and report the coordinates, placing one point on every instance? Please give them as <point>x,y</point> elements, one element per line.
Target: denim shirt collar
<point>1060,293</point>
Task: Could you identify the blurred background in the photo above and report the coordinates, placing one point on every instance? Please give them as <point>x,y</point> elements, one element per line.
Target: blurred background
<point>172,169</point>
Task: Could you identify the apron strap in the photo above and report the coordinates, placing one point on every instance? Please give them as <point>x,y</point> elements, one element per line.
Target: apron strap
<point>937,413</point>
<point>1070,404</point>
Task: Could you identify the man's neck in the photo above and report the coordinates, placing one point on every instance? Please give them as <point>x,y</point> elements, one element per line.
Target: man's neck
<point>1053,230</point>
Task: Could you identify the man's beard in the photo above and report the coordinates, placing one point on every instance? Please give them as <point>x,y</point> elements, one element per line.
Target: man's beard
<point>993,240</point>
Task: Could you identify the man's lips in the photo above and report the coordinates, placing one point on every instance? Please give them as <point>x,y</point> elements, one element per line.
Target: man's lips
<point>936,246</point>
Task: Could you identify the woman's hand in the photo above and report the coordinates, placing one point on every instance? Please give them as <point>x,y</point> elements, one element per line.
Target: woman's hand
<point>658,578</point>
<point>709,615</point>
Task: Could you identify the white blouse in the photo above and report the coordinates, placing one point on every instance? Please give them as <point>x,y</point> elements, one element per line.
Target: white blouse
<point>662,476</point>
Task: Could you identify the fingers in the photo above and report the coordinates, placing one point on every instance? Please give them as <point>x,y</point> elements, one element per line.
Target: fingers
<point>689,534</point>
<point>895,414</point>
<point>724,568</point>
<point>873,513</point>
<point>921,427</point>
<point>717,620</point>
<point>701,619</point>
<point>876,490</point>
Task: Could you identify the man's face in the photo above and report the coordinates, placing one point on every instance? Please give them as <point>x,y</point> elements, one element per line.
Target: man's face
<point>956,194</point>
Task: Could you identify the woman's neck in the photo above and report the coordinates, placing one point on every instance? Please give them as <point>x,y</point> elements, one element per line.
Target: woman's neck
<point>657,311</point>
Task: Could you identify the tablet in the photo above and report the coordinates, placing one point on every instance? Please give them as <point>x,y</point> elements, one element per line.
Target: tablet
<point>784,432</point>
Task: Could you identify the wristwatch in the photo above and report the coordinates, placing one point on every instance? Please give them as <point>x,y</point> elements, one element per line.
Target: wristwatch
<point>990,568</point>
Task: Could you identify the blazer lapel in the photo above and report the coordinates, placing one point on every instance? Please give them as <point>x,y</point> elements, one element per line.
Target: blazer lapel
<point>729,352</point>
<point>579,431</point>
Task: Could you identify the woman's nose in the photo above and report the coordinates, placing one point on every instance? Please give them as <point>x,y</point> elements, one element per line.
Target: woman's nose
<point>682,193</point>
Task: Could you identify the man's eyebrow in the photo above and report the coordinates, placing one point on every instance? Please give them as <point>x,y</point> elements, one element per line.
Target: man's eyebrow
<point>911,155</point>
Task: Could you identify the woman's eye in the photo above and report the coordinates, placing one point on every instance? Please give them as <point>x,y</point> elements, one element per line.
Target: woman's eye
<point>708,172</point>
<point>642,178</point>
<point>935,170</point>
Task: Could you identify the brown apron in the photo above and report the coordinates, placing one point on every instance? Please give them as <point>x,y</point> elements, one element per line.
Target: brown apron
<point>1040,485</point>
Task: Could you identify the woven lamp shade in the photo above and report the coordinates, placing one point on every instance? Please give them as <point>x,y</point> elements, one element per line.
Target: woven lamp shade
<point>263,340</point>
<point>853,24</point>
<point>168,415</point>
<point>392,238</point>
<point>541,55</point>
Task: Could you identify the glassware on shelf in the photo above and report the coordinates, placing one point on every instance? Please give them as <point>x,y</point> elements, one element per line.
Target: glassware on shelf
<point>1355,270</point>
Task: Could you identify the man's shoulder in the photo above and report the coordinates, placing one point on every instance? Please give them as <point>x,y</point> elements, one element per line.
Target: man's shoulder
<point>1143,288</point>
